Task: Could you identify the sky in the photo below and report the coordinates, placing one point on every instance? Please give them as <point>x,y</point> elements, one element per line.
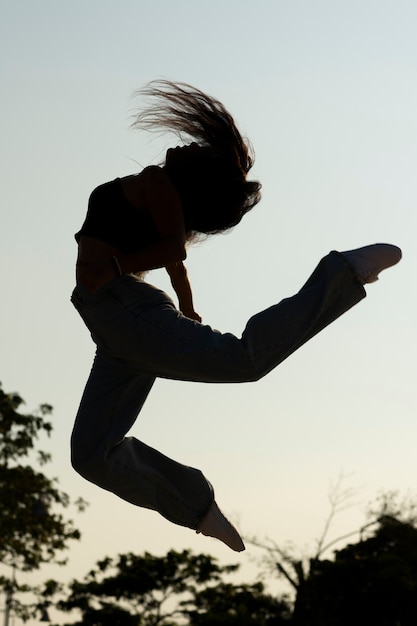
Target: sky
<point>327,93</point>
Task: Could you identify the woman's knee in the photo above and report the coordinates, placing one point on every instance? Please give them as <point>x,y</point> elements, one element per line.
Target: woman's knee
<point>254,370</point>
<point>80,462</point>
<point>82,459</point>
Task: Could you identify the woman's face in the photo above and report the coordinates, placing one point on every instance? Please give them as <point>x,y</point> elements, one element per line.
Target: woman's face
<point>180,155</point>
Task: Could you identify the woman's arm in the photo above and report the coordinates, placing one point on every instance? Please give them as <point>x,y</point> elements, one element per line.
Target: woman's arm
<point>161,199</point>
<point>181,284</point>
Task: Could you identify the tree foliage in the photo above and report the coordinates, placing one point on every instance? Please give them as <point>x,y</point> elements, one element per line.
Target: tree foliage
<point>178,588</point>
<point>373,581</point>
<point>238,605</point>
<point>32,528</point>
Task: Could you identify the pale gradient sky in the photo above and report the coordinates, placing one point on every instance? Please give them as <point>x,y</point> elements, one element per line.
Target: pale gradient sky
<point>327,92</point>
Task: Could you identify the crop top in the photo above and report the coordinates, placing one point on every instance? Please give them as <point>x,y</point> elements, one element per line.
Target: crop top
<point>111,218</point>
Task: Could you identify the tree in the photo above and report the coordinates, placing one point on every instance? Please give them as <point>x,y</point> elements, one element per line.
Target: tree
<point>32,528</point>
<point>372,581</point>
<point>179,588</point>
<point>238,605</point>
<point>296,569</point>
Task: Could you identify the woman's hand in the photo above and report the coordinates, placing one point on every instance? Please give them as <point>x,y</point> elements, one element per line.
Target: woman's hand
<point>192,315</point>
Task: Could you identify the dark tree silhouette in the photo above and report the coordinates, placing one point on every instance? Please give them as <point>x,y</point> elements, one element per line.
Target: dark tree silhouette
<point>238,605</point>
<point>371,582</point>
<point>144,588</point>
<point>32,527</point>
<point>179,588</point>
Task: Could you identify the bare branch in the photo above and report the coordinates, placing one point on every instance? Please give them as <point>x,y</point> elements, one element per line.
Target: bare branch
<point>340,499</point>
<point>274,550</point>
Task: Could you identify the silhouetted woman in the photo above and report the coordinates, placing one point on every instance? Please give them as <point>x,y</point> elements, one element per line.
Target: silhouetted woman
<point>145,221</point>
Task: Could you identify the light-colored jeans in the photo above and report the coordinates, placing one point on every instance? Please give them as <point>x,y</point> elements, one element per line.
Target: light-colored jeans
<point>140,335</point>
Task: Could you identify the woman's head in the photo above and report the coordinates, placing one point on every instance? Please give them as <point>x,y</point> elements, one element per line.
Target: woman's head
<point>209,173</point>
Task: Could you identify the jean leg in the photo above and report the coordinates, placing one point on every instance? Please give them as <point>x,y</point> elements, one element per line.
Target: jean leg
<point>274,334</point>
<point>158,340</point>
<point>101,453</point>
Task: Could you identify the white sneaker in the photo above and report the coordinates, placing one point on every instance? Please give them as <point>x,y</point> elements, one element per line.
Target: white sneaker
<point>216,525</point>
<point>369,261</point>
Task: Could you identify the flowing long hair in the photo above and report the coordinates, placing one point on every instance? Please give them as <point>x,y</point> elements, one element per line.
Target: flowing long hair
<point>213,185</point>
